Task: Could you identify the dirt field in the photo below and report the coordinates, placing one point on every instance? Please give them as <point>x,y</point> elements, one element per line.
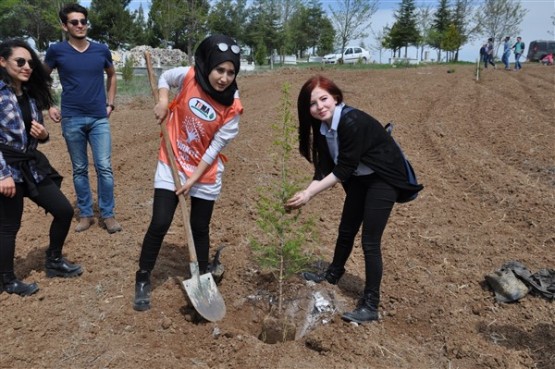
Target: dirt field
<point>485,152</point>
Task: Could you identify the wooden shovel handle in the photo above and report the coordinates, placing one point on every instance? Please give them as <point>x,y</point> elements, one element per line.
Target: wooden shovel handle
<point>173,163</point>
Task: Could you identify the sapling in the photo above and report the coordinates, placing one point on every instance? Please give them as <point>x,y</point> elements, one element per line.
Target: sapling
<point>279,249</point>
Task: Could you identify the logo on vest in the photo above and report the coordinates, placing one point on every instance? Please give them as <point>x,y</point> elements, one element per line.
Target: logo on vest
<point>202,109</point>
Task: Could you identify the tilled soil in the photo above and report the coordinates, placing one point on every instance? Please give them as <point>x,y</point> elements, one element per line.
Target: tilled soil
<point>483,149</point>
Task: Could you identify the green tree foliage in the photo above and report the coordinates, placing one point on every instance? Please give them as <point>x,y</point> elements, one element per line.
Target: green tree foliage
<point>111,22</point>
<point>140,34</point>
<point>127,69</point>
<point>351,19</point>
<point>37,19</point>
<point>442,20</point>
<point>499,18</point>
<point>404,30</point>
<point>462,20</point>
<point>311,28</point>
<point>228,17</point>
<point>179,23</point>
<point>424,24</point>
<point>279,248</point>
<point>263,27</point>
<point>451,40</point>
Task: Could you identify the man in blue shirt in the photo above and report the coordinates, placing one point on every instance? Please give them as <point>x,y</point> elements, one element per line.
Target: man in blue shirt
<point>86,107</point>
<point>506,53</point>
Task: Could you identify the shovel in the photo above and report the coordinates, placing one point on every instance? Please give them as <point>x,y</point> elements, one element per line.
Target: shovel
<point>201,289</point>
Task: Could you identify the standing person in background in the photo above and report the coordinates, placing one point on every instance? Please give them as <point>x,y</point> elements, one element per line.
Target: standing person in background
<point>506,53</point>
<point>519,49</point>
<point>25,171</point>
<point>203,119</point>
<point>489,54</point>
<point>353,149</point>
<point>86,107</point>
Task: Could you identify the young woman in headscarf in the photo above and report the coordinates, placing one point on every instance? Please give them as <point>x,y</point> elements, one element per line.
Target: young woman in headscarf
<point>201,120</point>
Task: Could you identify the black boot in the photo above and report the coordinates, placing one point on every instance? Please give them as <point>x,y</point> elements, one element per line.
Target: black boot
<point>366,310</point>
<point>58,266</point>
<point>330,275</point>
<point>142,290</point>
<point>10,284</point>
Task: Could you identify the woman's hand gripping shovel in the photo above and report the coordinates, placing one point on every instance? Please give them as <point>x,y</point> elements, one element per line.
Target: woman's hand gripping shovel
<point>201,289</point>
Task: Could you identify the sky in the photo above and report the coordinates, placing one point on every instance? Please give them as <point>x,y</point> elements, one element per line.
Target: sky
<point>536,25</point>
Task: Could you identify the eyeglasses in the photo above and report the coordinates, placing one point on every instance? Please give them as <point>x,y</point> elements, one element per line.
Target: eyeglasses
<point>75,22</point>
<point>224,47</point>
<point>21,62</point>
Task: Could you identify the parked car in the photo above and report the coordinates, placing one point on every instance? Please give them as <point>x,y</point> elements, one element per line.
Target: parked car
<point>351,55</point>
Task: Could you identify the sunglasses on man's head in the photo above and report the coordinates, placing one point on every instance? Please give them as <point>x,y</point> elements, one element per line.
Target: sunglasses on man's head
<point>75,22</point>
<point>21,62</point>
<point>224,47</point>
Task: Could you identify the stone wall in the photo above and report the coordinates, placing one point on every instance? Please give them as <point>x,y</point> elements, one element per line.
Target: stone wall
<point>160,57</point>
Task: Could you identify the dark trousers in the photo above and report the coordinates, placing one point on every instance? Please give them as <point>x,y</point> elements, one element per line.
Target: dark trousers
<point>51,199</point>
<point>488,59</point>
<point>368,201</point>
<point>163,210</point>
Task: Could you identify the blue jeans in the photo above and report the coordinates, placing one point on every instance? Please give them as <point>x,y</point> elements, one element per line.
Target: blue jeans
<point>505,59</point>
<point>78,131</point>
<point>517,62</point>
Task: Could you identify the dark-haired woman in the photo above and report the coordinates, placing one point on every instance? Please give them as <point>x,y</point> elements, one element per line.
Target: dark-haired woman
<point>353,149</point>
<point>25,171</point>
<point>203,119</point>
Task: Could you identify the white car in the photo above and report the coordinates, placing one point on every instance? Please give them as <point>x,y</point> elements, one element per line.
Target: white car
<point>351,55</point>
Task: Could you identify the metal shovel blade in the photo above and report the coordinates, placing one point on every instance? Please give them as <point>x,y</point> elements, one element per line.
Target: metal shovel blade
<point>204,295</point>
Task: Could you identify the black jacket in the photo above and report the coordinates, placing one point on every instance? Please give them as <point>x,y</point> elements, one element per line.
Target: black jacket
<point>361,138</point>
<point>16,157</point>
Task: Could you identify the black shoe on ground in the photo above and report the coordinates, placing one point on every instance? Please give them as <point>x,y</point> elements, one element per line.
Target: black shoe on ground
<point>361,315</point>
<point>142,291</point>
<point>11,284</point>
<point>366,310</point>
<point>332,277</point>
<point>60,267</point>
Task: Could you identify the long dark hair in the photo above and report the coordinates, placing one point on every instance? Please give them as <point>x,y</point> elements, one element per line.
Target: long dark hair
<point>308,125</point>
<point>38,85</point>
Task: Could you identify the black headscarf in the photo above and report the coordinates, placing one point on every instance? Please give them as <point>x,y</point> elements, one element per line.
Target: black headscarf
<point>207,57</point>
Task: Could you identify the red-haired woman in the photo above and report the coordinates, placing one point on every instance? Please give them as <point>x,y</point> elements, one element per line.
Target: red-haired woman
<point>352,148</point>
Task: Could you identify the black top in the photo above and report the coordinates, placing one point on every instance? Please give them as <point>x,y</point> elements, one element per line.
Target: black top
<point>25,106</point>
<point>361,138</point>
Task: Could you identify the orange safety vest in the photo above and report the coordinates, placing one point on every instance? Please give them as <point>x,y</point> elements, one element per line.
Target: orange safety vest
<point>193,121</point>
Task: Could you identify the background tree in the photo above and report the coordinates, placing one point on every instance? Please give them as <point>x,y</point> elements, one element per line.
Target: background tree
<point>309,28</point>
<point>442,20</point>
<point>405,30</point>
<point>228,17</point>
<point>194,28</point>
<point>140,33</point>
<point>499,18</point>
<point>462,16</point>
<point>451,41</point>
<point>379,42</point>
<point>10,22</point>
<point>111,22</point>
<point>164,19</point>
<point>37,19</point>
<point>351,18</point>
<point>263,27</point>
<point>424,19</point>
